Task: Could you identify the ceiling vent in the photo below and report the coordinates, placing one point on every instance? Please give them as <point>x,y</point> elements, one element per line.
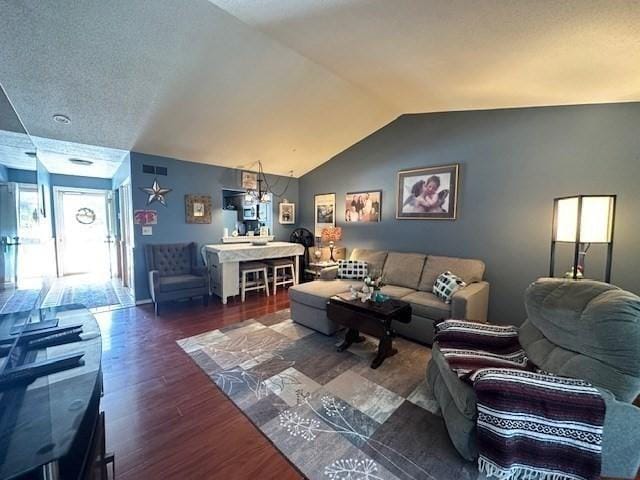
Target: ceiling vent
<point>81,162</point>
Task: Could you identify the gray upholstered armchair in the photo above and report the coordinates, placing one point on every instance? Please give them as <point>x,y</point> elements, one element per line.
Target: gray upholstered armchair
<point>579,329</point>
<point>174,273</point>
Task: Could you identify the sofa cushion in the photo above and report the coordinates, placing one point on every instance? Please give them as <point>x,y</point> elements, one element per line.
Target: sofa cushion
<point>468,269</point>
<point>404,269</point>
<point>317,293</point>
<point>446,285</point>
<point>181,282</point>
<point>374,258</point>
<point>395,291</point>
<point>427,305</point>
<point>352,269</point>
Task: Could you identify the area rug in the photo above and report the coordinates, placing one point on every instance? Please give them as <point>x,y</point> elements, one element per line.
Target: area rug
<point>20,301</point>
<point>91,295</point>
<point>328,412</point>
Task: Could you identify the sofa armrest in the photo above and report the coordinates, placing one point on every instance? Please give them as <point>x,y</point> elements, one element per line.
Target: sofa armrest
<point>471,302</point>
<point>329,273</point>
<point>154,283</point>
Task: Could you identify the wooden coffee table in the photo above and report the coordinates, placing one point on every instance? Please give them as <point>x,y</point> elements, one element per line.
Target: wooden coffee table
<point>372,318</point>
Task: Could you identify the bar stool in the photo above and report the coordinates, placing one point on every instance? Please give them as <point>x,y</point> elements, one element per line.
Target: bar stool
<point>284,264</point>
<point>255,269</point>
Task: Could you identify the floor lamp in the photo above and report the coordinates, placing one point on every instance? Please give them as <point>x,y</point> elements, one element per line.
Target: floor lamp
<point>583,220</point>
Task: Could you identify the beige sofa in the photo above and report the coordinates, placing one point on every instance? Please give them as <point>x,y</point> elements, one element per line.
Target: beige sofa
<point>408,276</point>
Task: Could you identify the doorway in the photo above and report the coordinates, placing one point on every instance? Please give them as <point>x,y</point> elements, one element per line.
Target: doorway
<point>84,232</point>
<point>86,251</point>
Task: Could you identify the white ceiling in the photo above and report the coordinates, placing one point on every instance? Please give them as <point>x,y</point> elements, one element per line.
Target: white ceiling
<point>55,155</point>
<point>443,55</point>
<point>294,82</point>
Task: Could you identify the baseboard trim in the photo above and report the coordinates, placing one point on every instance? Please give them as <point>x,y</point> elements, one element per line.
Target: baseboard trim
<point>144,301</point>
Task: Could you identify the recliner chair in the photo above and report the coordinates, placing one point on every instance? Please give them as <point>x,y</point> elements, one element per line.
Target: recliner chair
<point>580,329</point>
<point>174,273</point>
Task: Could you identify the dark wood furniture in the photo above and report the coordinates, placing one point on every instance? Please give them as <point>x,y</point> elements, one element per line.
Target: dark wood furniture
<point>52,427</point>
<point>372,318</point>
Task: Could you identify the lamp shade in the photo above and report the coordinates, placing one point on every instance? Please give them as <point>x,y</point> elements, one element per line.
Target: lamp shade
<point>331,234</point>
<point>594,215</point>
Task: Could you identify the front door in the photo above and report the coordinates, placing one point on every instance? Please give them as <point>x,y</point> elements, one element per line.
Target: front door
<point>84,226</point>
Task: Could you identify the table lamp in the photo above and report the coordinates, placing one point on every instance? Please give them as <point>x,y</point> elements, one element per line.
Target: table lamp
<point>583,220</point>
<point>331,235</point>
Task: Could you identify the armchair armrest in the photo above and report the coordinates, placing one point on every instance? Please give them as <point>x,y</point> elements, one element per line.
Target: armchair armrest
<point>471,302</point>
<point>329,273</point>
<point>620,438</point>
<point>154,283</point>
<point>199,270</point>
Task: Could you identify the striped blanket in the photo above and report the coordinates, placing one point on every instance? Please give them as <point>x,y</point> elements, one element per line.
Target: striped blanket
<point>538,426</point>
<point>531,425</point>
<point>469,346</point>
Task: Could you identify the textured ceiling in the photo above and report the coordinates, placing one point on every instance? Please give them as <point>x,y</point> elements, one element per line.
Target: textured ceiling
<point>293,82</point>
<point>177,78</point>
<point>441,55</point>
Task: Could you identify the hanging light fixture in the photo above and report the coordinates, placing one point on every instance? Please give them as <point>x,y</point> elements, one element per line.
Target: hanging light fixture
<point>258,188</point>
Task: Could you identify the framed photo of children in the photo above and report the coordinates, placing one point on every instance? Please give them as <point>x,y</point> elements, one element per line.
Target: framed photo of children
<point>325,212</point>
<point>429,193</point>
<point>363,206</point>
<point>287,213</point>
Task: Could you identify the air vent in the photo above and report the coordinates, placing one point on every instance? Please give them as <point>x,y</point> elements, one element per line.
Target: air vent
<point>81,162</point>
<point>154,170</point>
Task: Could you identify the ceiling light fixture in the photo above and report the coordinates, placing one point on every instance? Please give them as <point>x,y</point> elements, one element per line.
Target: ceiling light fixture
<point>62,119</point>
<point>264,189</point>
<point>80,161</point>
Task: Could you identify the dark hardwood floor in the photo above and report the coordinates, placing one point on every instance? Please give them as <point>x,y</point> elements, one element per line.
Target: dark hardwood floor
<point>165,418</point>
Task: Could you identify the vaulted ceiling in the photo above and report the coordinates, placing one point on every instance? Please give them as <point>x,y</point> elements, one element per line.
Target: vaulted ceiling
<point>294,82</point>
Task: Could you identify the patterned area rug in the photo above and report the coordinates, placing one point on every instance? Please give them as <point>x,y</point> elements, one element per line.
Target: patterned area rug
<point>91,295</point>
<point>20,301</point>
<point>328,412</point>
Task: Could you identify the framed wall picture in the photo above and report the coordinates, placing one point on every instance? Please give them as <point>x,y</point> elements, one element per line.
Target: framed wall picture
<point>145,217</point>
<point>429,193</point>
<point>324,212</point>
<point>198,208</point>
<point>363,207</point>
<point>287,213</point>
<point>249,180</point>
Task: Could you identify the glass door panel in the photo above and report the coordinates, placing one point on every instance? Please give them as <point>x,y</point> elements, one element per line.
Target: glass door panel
<point>84,233</point>
<point>8,235</point>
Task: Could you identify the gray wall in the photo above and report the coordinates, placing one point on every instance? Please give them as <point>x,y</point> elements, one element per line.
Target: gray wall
<point>513,163</point>
<point>4,174</point>
<point>188,178</point>
<point>22,176</point>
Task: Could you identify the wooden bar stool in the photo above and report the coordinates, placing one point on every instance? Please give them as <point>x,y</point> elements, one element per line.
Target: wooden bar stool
<point>282,265</point>
<point>254,269</point>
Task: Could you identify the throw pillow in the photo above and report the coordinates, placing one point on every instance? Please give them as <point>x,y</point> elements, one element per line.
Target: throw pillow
<point>352,269</point>
<point>446,285</point>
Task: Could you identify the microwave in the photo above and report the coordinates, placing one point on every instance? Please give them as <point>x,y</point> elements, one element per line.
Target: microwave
<point>250,212</point>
